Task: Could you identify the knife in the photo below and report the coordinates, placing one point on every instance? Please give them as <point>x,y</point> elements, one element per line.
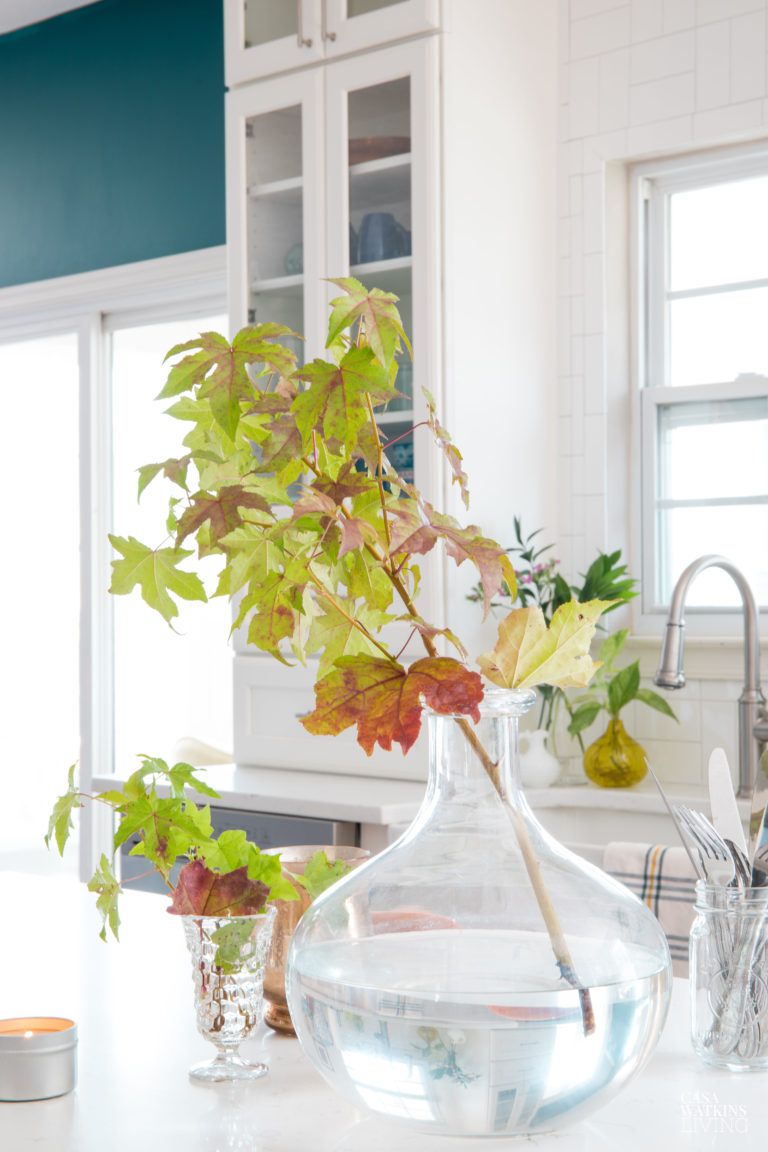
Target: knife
<point>693,855</point>
<point>722,800</point>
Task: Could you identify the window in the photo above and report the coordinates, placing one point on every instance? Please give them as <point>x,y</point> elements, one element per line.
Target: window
<point>92,677</point>
<point>703,371</point>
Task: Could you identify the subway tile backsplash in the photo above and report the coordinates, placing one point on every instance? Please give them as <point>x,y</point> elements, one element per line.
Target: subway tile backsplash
<point>638,78</point>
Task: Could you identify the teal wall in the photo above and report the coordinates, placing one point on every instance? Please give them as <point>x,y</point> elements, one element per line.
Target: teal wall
<point>111,137</point>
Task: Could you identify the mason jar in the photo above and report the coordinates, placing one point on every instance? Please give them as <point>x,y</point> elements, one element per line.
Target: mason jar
<point>729,977</point>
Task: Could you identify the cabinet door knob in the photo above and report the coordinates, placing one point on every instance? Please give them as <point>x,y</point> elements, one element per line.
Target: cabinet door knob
<point>303,41</point>
<point>326,35</point>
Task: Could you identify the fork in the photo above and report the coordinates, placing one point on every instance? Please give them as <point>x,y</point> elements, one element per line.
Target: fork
<point>716,859</point>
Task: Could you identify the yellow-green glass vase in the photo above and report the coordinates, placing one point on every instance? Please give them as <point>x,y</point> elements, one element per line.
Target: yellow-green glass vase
<point>615,760</point>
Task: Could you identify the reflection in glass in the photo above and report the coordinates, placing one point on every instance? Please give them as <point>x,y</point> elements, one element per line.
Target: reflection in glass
<point>714,449</point>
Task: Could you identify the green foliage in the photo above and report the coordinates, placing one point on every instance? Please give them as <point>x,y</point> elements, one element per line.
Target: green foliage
<point>221,875</point>
<point>284,477</point>
<point>320,873</point>
<point>612,690</point>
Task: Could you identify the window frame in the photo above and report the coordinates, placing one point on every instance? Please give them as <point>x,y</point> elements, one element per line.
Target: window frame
<point>93,305</point>
<point>651,183</point>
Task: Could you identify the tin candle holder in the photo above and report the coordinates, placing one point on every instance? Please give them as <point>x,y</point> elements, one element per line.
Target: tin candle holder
<point>38,1057</point>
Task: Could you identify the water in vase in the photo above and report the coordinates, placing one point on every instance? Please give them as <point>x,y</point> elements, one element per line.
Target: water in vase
<point>498,1051</point>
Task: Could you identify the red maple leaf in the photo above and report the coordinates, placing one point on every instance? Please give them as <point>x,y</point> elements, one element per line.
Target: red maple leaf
<point>385,699</point>
<point>222,511</point>
<point>201,892</point>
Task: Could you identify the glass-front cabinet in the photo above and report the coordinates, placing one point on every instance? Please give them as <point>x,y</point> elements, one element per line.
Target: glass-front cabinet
<point>264,37</point>
<point>334,171</point>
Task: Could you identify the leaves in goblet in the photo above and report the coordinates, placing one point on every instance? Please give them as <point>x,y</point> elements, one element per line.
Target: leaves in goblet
<point>201,892</point>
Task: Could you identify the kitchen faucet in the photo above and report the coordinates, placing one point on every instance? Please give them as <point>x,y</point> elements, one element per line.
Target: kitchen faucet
<point>753,718</point>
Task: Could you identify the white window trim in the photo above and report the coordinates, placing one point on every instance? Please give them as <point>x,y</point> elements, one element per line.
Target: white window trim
<point>647,265</point>
<point>94,304</point>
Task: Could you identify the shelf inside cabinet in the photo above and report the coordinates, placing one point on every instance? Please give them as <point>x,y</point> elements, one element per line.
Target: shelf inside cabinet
<point>284,285</point>
<point>391,275</point>
<point>377,182</point>
<point>283,191</point>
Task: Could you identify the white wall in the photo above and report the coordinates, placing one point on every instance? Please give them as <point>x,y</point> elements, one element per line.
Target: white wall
<point>499,77</point>
<point>638,79</point>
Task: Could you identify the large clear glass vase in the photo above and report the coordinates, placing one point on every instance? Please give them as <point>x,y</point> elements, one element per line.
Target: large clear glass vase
<point>476,977</point>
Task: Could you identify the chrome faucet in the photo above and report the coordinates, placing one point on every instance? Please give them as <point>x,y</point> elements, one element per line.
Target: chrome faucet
<point>753,718</point>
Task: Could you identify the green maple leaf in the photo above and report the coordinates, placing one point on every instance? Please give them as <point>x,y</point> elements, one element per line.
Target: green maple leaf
<point>105,883</point>
<point>335,402</point>
<point>221,512</point>
<point>319,874</point>
<point>365,580</point>
<point>378,312</point>
<point>218,369</point>
<point>252,555</point>
<point>334,635</point>
<point>60,823</point>
<point>156,572</point>
<point>528,653</point>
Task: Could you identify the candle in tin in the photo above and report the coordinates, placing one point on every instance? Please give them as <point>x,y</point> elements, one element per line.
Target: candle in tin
<point>37,1057</point>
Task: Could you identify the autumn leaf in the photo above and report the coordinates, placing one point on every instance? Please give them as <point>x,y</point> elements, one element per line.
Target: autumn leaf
<point>221,512</point>
<point>348,484</point>
<point>282,447</point>
<point>468,543</point>
<point>354,534</point>
<point>384,699</point>
<point>378,313</point>
<point>335,402</point>
<point>448,448</point>
<point>156,572</point>
<point>201,892</point>
<point>528,653</point>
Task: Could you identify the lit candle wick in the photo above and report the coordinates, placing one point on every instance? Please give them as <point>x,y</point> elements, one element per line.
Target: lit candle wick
<point>28,1034</point>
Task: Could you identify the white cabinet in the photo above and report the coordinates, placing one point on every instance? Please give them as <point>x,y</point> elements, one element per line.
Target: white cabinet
<point>331,171</point>
<point>426,168</point>
<point>264,37</point>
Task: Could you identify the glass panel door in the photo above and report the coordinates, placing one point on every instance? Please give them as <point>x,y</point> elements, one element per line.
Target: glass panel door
<point>380,233</point>
<point>275,222</point>
<point>40,597</point>
<point>350,25</point>
<point>264,37</point>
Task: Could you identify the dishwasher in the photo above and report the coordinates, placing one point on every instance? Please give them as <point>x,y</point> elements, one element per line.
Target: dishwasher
<point>267,829</point>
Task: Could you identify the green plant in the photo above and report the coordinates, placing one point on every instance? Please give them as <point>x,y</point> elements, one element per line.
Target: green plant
<point>319,874</point>
<point>224,875</point>
<point>611,690</point>
<point>285,478</point>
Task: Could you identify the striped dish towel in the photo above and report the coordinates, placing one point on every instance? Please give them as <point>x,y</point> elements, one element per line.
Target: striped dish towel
<point>664,879</point>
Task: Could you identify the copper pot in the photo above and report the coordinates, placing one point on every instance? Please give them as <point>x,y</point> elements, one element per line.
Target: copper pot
<point>294,859</point>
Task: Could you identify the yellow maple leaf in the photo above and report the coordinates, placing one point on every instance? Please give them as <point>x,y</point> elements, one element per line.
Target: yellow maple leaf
<point>528,653</point>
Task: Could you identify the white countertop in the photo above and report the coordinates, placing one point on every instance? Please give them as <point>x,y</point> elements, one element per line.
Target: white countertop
<point>134,1010</point>
<point>324,795</point>
<point>372,800</point>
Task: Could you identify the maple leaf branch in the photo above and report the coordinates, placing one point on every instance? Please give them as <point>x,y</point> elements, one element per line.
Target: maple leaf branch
<point>379,472</point>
